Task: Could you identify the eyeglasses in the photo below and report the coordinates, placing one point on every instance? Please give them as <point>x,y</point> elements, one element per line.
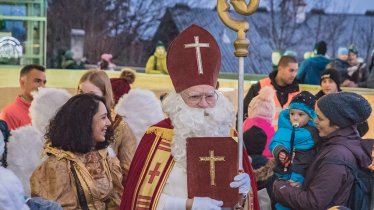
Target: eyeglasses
<point>195,97</point>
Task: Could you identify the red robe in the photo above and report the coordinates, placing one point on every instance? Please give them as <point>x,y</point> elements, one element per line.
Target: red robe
<point>144,185</point>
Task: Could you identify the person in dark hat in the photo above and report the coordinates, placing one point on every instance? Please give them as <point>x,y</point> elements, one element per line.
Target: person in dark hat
<point>311,68</point>
<point>156,63</point>
<point>293,142</point>
<point>255,141</point>
<point>327,184</point>
<point>329,82</point>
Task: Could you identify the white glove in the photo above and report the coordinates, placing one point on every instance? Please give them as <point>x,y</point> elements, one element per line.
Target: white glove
<point>205,203</point>
<point>243,182</point>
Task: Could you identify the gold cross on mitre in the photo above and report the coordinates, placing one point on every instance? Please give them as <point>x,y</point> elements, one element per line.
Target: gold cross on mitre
<point>212,166</point>
<point>197,45</point>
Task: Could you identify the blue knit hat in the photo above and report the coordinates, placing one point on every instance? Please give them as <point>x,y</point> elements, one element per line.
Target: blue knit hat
<point>304,101</point>
<point>342,51</point>
<point>344,108</point>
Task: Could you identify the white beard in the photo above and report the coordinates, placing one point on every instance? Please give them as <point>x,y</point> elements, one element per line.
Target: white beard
<point>196,122</point>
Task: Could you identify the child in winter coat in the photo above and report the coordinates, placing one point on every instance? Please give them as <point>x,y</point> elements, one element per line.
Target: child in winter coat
<point>261,112</point>
<point>292,145</point>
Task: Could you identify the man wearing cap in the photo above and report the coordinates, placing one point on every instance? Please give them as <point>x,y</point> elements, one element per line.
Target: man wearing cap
<point>329,184</point>
<point>158,175</point>
<point>311,68</point>
<point>282,81</point>
<point>329,82</point>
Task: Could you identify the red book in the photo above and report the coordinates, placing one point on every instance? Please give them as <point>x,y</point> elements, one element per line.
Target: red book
<point>212,163</point>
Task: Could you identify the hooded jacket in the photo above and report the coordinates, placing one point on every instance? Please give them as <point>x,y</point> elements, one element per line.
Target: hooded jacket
<point>310,70</point>
<point>327,184</point>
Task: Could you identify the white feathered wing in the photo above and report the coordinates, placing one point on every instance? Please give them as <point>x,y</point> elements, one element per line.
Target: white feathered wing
<point>26,143</point>
<point>140,109</point>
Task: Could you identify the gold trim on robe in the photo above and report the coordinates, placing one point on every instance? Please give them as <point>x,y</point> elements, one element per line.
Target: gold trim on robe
<point>155,171</point>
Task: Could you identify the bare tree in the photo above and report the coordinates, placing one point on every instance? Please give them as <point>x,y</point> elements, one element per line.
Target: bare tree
<point>284,23</point>
<point>110,25</point>
<point>364,38</point>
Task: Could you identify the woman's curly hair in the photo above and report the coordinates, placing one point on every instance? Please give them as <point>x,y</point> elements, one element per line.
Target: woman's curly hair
<point>71,128</point>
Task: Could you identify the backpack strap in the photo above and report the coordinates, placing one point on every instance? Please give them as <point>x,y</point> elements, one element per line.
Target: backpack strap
<point>351,167</point>
<point>81,197</point>
<point>354,170</point>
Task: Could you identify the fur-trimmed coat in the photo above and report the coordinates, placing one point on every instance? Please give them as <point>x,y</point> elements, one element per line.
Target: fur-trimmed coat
<point>98,172</point>
<point>265,172</point>
<point>265,177</point>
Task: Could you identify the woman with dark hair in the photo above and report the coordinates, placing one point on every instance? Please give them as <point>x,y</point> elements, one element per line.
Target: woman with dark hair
<point>124,141</point>
<point>80,171</point>
<point>329,182</point>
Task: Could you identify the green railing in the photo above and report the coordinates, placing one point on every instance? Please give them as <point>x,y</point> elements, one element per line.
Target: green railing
<point>33,16</point>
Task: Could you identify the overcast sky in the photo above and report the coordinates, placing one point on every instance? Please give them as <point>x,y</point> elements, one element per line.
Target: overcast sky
<point>344,6</point>
<point>360,6</point>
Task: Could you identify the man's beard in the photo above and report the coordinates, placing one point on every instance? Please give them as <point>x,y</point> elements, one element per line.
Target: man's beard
<point>196,122</point>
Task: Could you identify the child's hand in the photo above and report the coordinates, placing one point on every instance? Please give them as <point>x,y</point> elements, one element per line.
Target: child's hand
<point>283,157</point>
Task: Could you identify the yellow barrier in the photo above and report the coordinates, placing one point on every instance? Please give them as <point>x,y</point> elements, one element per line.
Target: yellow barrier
<point>68,79</point>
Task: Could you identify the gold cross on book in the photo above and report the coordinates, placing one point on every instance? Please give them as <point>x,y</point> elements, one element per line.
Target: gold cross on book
<point>212,168</point>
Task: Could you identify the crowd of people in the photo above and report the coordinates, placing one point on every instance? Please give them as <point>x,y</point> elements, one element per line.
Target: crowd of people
<point>353,70</point>
<point>113,147</point>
